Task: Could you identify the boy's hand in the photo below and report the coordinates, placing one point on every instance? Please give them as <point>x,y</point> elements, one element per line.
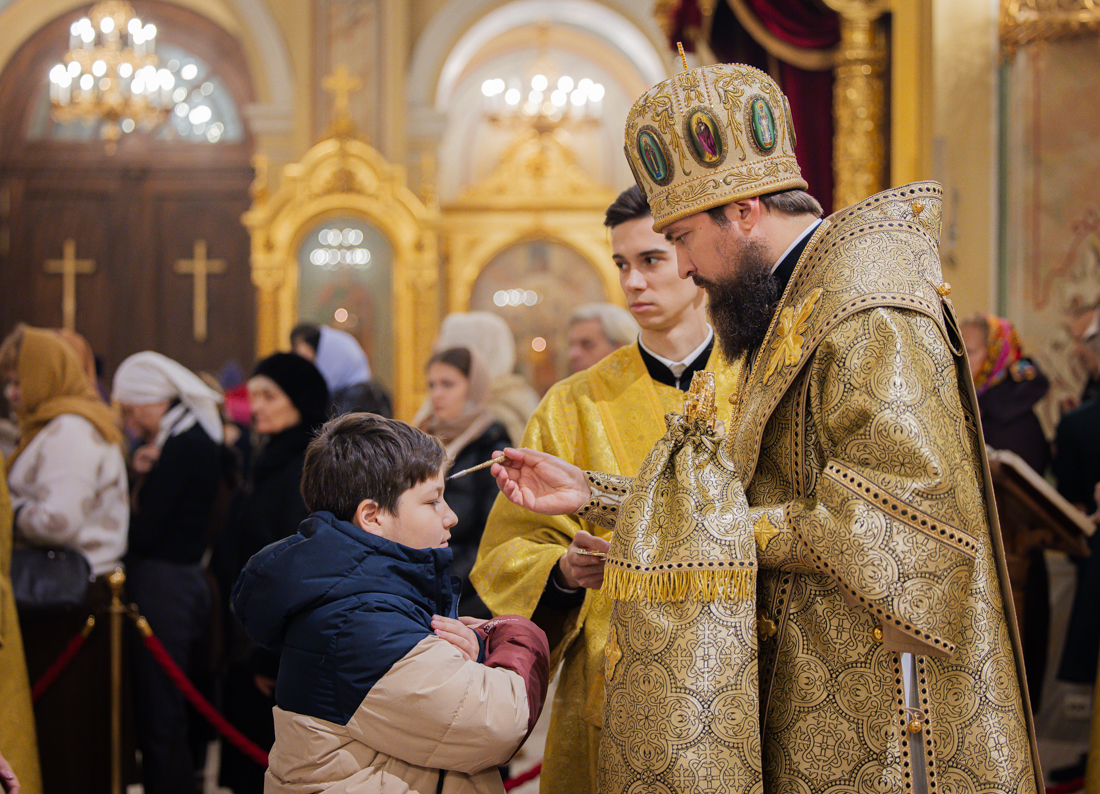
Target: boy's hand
<point>460,634</point>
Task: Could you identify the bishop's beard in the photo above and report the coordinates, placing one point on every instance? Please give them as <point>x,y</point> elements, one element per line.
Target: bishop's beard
<point>741,302</point>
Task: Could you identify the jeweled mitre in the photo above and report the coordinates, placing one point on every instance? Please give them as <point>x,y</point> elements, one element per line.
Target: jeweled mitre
<point>709,136</point>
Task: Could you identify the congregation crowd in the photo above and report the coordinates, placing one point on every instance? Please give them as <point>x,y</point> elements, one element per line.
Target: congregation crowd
<point>238,511</point>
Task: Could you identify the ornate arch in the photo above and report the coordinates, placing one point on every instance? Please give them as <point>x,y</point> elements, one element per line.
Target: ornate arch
<point>344,176</point>
<point>537,193</point>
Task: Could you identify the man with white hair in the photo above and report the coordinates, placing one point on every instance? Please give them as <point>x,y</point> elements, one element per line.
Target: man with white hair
<point>595,331</point>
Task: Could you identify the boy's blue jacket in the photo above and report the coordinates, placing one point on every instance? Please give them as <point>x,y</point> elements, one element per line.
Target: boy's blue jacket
<point>350,614</point>
<point>340,605</point>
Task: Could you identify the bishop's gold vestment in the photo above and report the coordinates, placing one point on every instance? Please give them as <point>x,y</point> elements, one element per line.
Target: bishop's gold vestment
<point>605,418</point>
<point>856,438</point>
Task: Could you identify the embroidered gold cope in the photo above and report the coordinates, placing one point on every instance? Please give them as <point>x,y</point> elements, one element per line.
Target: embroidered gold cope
<point>857,442</point>
<point>605,418</point>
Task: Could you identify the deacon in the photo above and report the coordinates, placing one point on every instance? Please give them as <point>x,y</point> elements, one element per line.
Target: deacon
<point>885,650</point>
<point>607,418</point>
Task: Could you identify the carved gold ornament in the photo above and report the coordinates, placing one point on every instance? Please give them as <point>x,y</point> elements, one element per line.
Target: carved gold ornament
<point>1023,22</point>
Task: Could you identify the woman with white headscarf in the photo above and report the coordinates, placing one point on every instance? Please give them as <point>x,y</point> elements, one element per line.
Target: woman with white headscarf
<point>342,363</point>
<point>177,474</point>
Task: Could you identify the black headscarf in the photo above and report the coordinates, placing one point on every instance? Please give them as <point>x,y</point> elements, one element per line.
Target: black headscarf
<point>302,383</point>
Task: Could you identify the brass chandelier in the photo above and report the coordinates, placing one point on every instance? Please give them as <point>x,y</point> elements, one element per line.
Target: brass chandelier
<point>110,74</point>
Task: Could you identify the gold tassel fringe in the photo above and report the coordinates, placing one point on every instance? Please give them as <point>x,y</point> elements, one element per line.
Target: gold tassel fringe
<point>728,584</point>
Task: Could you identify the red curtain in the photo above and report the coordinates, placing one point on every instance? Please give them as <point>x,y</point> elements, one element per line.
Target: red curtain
<point>806,24</point>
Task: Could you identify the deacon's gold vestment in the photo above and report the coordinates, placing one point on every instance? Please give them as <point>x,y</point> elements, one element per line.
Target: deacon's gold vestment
<point>857,441</point>
<point>605,418</point>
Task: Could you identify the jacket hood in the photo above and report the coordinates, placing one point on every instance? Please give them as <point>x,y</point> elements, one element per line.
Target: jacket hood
<point>328,560</point>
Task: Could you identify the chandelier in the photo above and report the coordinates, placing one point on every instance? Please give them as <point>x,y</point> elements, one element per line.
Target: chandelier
<point>110,74</point>
<point>546,98</point>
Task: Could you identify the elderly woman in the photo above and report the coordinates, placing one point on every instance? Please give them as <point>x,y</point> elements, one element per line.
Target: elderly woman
<point>68,485</point>
<point>289,402</point>
<point>177,475</point>
<point>458,390</point>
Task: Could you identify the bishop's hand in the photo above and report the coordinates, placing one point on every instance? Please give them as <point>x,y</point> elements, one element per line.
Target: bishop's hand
<point>541,482</point>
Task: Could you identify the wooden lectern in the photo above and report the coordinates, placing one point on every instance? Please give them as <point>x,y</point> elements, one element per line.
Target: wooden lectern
<point>1033,515</point>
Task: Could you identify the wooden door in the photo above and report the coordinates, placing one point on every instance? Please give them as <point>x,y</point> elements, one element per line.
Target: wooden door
<point>135,218</point>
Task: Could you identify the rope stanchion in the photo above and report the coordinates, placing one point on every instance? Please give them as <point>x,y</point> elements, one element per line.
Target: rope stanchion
<point>63,660</point>
<point>520,779</point>
<point>201,704</point>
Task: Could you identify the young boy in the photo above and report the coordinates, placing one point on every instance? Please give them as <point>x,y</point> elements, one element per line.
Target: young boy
<point>381,688</point>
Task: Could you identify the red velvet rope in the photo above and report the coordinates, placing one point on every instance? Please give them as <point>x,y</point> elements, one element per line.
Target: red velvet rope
<point>62,661</point>
<point>519,780</point>
<point>201,704</point>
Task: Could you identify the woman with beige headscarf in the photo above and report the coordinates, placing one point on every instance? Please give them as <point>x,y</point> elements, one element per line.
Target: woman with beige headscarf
<point>458,391</point>
<point>68,485</point>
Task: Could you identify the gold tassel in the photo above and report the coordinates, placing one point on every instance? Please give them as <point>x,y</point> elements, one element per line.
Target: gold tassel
<point>729,584</point>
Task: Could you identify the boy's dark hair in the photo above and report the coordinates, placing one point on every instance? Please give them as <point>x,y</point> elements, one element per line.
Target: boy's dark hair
<point>458,357</point>
<point>306,332</point>
<point>629,206</point>
<point>361,456</point>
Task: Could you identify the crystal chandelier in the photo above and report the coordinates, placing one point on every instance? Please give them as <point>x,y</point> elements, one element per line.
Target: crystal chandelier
<point>110,74</point>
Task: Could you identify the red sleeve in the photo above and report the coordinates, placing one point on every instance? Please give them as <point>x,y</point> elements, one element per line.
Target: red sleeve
<point>517,644</point>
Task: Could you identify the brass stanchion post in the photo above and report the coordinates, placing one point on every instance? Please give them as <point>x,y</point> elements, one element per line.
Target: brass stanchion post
<point>117,609</point>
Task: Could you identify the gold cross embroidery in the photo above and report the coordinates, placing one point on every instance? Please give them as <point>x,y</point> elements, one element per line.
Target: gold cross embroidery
<point>764,530</point>
<point>200,267</point>
<point>69,267</point>
<point>792,324</point>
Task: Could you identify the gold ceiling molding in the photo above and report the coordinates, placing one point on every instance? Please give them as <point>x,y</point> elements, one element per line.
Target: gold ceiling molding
<point>1023,22</point>
<point>342,176</point>
<point>535,171</point>
<point>538,192</point>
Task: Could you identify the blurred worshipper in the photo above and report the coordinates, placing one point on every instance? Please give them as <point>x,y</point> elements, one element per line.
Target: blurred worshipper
<point>342,362</point>
<point>1084,331</point>
<point>1008,385</point>
<point>17,736</point>
<point>606,418</point>
<point>68,485</point>
<point>176,475</point>
<point>89,362</point>
<point>289,401</point>
<point>458,389</point>
<point>382,687</point>
<point>1077,472</point>
<point>511,397</point>
<point>9,428</point>
<point>595,331</point>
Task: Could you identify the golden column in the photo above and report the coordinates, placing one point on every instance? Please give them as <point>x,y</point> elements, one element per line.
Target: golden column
<point>859,111</point>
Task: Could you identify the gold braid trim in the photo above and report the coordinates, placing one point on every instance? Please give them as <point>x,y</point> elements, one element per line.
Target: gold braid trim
<point>680,581</point>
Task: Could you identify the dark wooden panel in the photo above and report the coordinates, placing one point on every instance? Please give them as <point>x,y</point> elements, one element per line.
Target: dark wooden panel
<point>180,222</point>
<point>135,213</point>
